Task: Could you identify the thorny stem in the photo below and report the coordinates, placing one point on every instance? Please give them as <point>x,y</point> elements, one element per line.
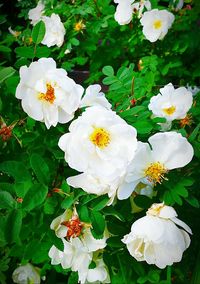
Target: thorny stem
<point>132,87</point>
<point>97,7</point>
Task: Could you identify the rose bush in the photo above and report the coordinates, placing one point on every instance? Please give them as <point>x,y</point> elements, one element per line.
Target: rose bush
<point>83,159</point>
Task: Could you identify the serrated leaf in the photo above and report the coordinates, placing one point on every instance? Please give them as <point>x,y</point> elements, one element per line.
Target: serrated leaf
<point>5,73</point>
<point>83,213</point>
<point>13,226</point>
<point>38,32</point>
<point>99,203</point>
<point>25,51</point>
<point>35,196</point>
<point>15,169</point>
<point>98,223</point>
<point>108,71</point>
<point>40,168</point>
<point>6,200</point>
<point>67,202</point>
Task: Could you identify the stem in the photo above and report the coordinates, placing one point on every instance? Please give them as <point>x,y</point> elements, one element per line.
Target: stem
<point>169,272</point>
<point>132,87</point>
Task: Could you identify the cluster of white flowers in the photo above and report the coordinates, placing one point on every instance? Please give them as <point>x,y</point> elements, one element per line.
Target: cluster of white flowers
<point>55,30</point>
<point>79,248</point>
<point>110,159</point>
<point>171,104</point>
<point>155,22</point>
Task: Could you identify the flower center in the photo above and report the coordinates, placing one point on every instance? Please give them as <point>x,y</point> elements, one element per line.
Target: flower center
<point>157,24</point>
<point>155,172</point>
<point>100,137</point>
<point>154,210</point>
<point>169,110</point>
<point>74,227</point>
<point>79,26</point>
<point>49,96</point>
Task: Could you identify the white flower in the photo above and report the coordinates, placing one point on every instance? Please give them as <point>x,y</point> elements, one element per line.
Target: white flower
<point>124,11</point>
<point>156,24</point>
<point>95,185</point>
<point>35,14</point>
<point>171,103</point>
<point>139,7</point>
<point>79,244</point>
<point>156,239</point>
<point>96,275</point>
<point>26,274</point>
<point>75,255</point>
<point>99,143</point>
<point>93,97</point>
<point>69,225</point>
<point>167,151</point>
<point>47,93</point>
<point>55,31</point>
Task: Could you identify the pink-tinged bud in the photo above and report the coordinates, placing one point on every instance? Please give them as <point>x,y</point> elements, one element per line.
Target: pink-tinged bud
<point>19,199</point>
<point>133,102</point>
<point>56,190</point>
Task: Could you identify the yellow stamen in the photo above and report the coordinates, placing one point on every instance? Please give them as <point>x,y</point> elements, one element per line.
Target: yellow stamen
<point>79,26</point>
<point>155,172</point>
<point>154,210</point>
<point>186,121</point>
<point>169,110</point>
<point>100,137</point>
<point>49,96</point>
<point>157,24</point>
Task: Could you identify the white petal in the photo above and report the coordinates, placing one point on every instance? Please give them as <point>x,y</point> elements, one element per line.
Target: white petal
<point>171,149</point>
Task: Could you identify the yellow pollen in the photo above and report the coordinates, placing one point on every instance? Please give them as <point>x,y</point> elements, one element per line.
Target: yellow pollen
<point>157,24</point>
<point>154,210</point>
<point>79,26</point>
<point>49,96</point>
<point>186,121</point>
<point>100,137</point>
<point>155,172</point>
<point>169,110</point>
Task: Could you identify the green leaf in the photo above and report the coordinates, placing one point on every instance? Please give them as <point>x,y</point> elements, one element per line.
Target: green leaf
<point>6,200</point>
<point>83,213</point>
<point>98,223</point>
<point>42,51</point>
<point>40,168</point>
<point>193,201</point>
<point>108,71</point>
<point>25,51</point>
<point>67,202</point>
<point>35,196</point>
<point>143,201</point>
<point>15,169</point>
<point>99,203</point>
<point>38,32</point>
<point>13,226</point>
<point>5,73</point>
<point>115,242</point>
<point>73,278</point>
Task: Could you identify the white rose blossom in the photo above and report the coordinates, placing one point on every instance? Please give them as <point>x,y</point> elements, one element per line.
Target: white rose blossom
<point>99,143</point>
<point>171,103</point>
<point>79,245</point>
<point>124,11</point>
<point>94,97</point>
<point>26,274</point>
<point>165,151</point>
<point>156,238</point>
<point>55,31</point>
<point>156,24</point>
<point>35,14</point>
<point>47,93</point>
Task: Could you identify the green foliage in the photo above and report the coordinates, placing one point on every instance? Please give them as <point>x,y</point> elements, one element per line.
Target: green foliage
<point>38,32</point>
